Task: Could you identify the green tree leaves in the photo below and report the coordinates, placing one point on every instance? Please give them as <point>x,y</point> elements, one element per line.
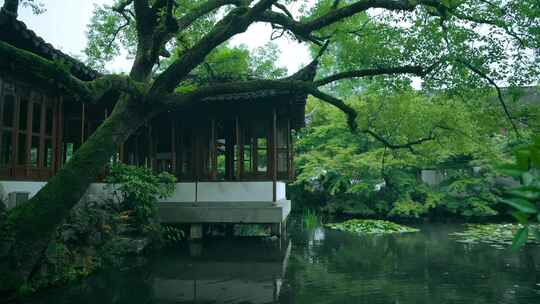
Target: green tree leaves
<point>526,198</point>
<point>360,176</point>
<point>521,205</point>
<point>521,237</point>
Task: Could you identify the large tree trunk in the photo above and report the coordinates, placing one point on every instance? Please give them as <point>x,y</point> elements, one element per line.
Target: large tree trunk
<point>32,225</point>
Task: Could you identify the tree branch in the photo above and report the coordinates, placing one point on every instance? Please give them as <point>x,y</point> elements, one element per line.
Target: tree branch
<point>172,27</point>
<point>494,23</point>
<point>499,93</point>
<point>145,58</point>
<point>304,29</point>
<point>408,145</point>
<point>121,7</point>
<point>206,8</point>
<point>39,69</point>
<point>116,33</point>
<point>237,21</point>
<point>284,9</point>
<point>10,7</point>
<point>115,83</point>
<point>338,103</point>
<point>408,69</point>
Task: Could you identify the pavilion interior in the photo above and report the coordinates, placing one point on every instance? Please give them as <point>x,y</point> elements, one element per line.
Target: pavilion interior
<point>230,139</point>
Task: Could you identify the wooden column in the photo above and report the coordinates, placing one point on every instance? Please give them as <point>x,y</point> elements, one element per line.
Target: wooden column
<point>58,130</point>
<point>239,150</point>
<point>121,150</point>
<point>290,152</point>
<point>42,140</point>
<point>1,114</point>
<point>229,150</point>
<point>29,120</point>
<point>15,136</point>
<point>14,131</point>
<point>173,146</point>
<point>196,155</point>
<point>212,171</point>
<point>274,154</point>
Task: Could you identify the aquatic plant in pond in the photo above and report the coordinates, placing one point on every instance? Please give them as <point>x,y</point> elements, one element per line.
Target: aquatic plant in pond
<point>371,227</point>
<point>499,236</point>
<point>310,219</point>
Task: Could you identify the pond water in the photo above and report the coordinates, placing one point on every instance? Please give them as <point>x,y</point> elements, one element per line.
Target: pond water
<point>321,266</point>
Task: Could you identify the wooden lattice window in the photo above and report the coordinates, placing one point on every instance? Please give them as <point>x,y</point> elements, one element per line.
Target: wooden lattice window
<point>27,133</point>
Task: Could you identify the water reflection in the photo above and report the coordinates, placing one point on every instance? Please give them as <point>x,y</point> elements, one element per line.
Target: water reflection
<point>321,266</point>
<point>216,271</point>
<point>223,272</point>
<point>425,267</point>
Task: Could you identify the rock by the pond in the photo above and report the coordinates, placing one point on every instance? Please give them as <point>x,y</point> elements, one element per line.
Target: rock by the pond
<point>128,246</point>
<point>371,227</point>
<point>94,236</point>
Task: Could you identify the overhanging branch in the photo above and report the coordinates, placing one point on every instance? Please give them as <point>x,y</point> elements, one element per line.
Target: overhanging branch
<point>41,70</point>
<point>304,30</point>
<point>10,7</point>
<point>408,69</point>
<point>206,8</point>
<point>338,103</point>
<point>499,93</point>
<point>237,21</point>
<point>408,145</point>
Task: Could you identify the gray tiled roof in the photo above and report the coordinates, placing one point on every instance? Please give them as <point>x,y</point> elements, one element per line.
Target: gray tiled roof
<point>17,34</point>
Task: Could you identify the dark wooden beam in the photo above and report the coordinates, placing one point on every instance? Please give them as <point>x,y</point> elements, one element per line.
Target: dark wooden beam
<point>1,114</point>
<point>173,146</point>
<point>42,139</point>
<point>290,152</point>
<point>239,150</point>
<point>273,154</point>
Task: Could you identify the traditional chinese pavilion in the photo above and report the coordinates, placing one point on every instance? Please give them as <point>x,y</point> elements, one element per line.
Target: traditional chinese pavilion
<point>232,155</point>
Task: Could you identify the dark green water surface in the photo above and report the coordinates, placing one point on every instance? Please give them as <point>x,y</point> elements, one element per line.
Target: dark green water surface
<point>321,266</point>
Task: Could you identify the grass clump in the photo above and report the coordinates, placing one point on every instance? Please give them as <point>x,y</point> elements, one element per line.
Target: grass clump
<point>310,219</point>
<point>371,227</point>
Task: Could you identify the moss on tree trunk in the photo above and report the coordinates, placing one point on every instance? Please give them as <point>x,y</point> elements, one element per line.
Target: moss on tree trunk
<point>32,225</point>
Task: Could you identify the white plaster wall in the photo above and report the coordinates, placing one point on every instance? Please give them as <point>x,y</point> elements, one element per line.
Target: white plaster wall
<point>11,186</point>
<point>280,191</point>
<point>432,177</point>
<point>184,192</point>
<point>234,192</point>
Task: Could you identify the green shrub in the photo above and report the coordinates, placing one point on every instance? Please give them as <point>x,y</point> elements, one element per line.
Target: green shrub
<point>173,234</point>
<point>138,189</point>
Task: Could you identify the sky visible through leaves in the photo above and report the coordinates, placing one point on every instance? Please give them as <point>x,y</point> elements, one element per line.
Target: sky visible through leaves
<point>63,24</point>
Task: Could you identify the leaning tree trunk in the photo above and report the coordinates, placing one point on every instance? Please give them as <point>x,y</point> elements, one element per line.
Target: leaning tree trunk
<point>32,225</point>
